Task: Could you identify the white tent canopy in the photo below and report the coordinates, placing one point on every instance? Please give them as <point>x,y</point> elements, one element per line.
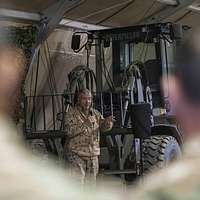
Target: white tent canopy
<point>112,13</point>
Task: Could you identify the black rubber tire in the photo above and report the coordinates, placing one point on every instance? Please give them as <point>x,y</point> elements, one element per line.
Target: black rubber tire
<point>159,151</point>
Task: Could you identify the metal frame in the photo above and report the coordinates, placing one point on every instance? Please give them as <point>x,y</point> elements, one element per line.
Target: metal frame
<point>15,15</point>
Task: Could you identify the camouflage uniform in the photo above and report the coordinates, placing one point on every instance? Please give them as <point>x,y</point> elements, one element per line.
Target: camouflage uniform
<point>179,181</point>
<point>82,143</point>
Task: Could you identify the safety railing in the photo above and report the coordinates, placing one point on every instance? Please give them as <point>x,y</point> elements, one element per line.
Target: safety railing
<point>45,113</point>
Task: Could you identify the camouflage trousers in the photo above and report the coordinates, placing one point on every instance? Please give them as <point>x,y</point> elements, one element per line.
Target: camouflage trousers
<point>84,168</point>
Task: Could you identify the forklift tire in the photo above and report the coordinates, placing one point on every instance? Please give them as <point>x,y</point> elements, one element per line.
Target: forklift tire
<point>158,152</point>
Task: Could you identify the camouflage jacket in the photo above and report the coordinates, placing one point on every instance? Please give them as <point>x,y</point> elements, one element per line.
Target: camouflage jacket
<point>83,132</point>
<point>179,181</point>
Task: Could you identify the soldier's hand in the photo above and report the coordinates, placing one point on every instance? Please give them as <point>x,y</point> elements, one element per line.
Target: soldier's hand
<point>110,119</point>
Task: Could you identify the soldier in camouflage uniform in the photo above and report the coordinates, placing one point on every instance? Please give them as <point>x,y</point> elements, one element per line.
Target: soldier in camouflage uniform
<point>83,125</point>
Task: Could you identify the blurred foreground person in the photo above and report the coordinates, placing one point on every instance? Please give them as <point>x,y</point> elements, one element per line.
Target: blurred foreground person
<point>182,179</point>
<point>22,176</point>
<point>12,70</point>
<point>83,125</point>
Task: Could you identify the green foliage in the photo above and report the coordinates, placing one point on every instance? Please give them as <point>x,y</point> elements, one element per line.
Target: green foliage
<point>22,37</point>
<point>25,38</point>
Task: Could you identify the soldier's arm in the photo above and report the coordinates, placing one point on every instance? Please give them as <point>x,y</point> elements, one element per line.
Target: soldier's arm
<point>105,124</point>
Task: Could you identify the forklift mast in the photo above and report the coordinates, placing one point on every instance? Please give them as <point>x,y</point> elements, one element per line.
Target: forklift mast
<point>153,46</point>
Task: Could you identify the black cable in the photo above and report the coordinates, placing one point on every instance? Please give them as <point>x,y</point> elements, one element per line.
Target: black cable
<point>53,76</point>
<point>76,51</point>
<point>183,16</point>
<point>31,84</point>
<point>87,79</point>
<point>145,13</point>
<point>111,84</point>
<point>50,67</point>
<point>146,37</point>
<point>145,41</point>
<point>145,53</point>
<point>49,59</point>
<point>73,7</point>
<point>115,13</point>
<point>93,78</point>
<point>108,81</point>
<point>49,74</point>
<point>167,67</point>
<point>37,70</point>
<point>35,89</point>
<point>104,73</point>
<point>47,71</point>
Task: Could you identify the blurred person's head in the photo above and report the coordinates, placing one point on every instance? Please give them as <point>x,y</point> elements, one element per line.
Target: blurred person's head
<point>183,84</point>
<point>84,99</point>
<point>12,68</point>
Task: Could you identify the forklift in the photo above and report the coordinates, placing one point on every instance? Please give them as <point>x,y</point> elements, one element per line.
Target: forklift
<point>145,136</point>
